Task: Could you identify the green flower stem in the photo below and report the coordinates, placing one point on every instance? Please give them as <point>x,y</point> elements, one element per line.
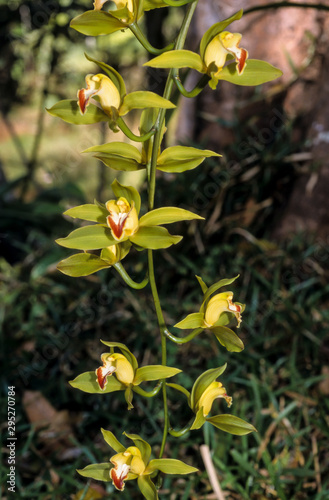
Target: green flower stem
<point>135,29</point>
<point>126,130</point>
<point>127,279</point>
<point>184,340</point>
<point>197,89</point>
<point>151,192</point>
<point>148,394</point>
<point>182,432</point>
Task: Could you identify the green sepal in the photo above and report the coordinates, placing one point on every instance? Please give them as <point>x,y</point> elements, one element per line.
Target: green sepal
<point>90,212</point>
<point>147,488</point>
<point>170,466</point>
<point>202,382</point>
<point>231,424</point>
<point>128,192</point>
<point>167,215</point>
<point>199,420</point>
<point>213,288</point>
<point>125,351</point>
<point>179,388</point>
<point>177,159</point>
<point>228,338</point>
<point>204,287</point>
<point>69,111</point>
<point>178,59</point>
<point>154,238</point>
<point>87,382</point>
<point>215,30</point>
<point>194,320</point>
<point>129,397</point>
<point>154,372</point>
<point>112,441</point>
<point>143,99</point>
<point>100,472</point>
<point>119,163</point>
<point>97,22</point>
<point>82,264</point>
<point>121,149</point>
<point>255,73</point>
<point>142,445</point>
<point>88,238</point>
<point>112,74</point>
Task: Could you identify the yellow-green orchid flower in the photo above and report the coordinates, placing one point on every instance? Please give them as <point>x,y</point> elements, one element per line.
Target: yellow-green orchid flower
<point>102,87</point>
<point>222,48</point>
<point>127,465</point>
<point>118,364</point>
<point>214,391</point>
<point>218,305</point>
<point>123,218</point>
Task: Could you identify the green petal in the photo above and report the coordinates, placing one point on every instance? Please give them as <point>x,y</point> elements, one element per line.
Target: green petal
<point>179,388</point>
<point>143,99</point>
<point>154,238</point>
<point>178,59</point>
<point>180,158</point>
<point>88,238</point>
<point>213,288</point>
<point>87,382</point>
<point>170,466</point>
<point>194,320</point>
<point>228,338</point>
<point>199,420</point>
<point>125,351</point>
<point>128,192</point>
<point>117,149</point>
<point>112,73</point>
<point>119,163</point>
<point>147,488</point>
<point>101,472</point>
<point>203,381</point>
<point>96,22</point>
<point>255,73</point>
<point>69,111</point>
<point>90,212</point>
<point>167,215</point>
<point>154,372</point>
<point>215,30</point>
<point>129,397</point>
<point>82,264</point>
<point>231,424</point>
<point>142,445</point>
<point>204,287</point>
<point>112,441</point>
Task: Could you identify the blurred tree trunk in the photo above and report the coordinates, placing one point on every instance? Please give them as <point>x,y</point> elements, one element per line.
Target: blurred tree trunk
<point>296,41</point>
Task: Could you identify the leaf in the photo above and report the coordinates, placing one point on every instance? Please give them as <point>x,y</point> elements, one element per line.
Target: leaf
<point>170,466</point>
<point>125,351</point>
<point>128,192</point>
<point>199,420</point>
<point>142,445</point>
<point>90,212</point>
<point>203,381</point>
<point>194,320</point>
<point>154,238</point>
<point>87,382</point>
<point>167,215</point>
<point>112,441</point>
<point>228,338</point>
<point>255,73</point>
<point>69,111</point>
<point>88,238</point>
<point>178,59</point>
<point>231,424</point>
<point>213,288</point>
<point>204,287</point>
<point>147,488</point>
<point>96,22</point>
<point>154,372</point>
<point>101,472</point>
<point>143,99</point>
<point>180,158</point>
<point>215,29</point>
<point>112,73</point>
<point>121,149</point>
<point>82,264</point>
